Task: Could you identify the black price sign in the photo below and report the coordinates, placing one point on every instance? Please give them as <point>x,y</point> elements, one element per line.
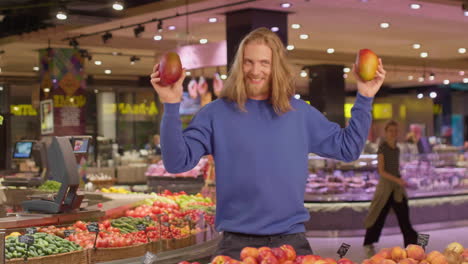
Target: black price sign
<point>26,239</point>
<point>148,218</point>
<point>93,227</point>
<point>423,240</point>
<point>31,230</point>
<point>343,249</point>
<point>68,232</point>
<point>141,227</point>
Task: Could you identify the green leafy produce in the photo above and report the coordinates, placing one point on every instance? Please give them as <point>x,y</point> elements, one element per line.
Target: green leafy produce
<point>50,186</point>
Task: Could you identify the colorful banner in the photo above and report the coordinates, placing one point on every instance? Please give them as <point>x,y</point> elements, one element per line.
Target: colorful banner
<point>62,81</point>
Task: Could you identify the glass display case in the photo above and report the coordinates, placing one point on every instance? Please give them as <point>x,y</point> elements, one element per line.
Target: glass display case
<point>441,173</point>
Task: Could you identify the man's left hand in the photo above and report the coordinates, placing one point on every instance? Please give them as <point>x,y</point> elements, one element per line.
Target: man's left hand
<point>370,88</point>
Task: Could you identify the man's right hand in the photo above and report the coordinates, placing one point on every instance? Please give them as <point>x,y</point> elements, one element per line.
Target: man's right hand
<point>167,94</point>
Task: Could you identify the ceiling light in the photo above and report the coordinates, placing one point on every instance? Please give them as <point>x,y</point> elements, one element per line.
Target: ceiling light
<point>465,80</point>
<point>432,76</point>
<point>385,25</point>
<point>98,62</point>
<point>446,82</point>
<point>223,76</point>
<point>415,6</point>
<point>171,27</point>
<point>303,74</point>
<point>157,37</point>
<point>35,68</point>
<point>421,79</point>
<point>115,53</point>
<point>160,26</point>
<point>46,90</point>
<point>107,71</point>
<point>286,5</point>
<point>466,13</point>
<point>212,20</point>
<point>346,69</point>
<point>303,36</point>
<point>106,37</point>
<point>410,77</point>
<point>275,29</point>
<point>416,46</point>
<point>290,47</point>
<point>203,41</point>
<point>297,96</point>
<point>138,30</point>
<point>61,15</point>
<point>295,26</point>
<point>433,95</point>
<point>424,54</point>
<point>462,50</point>
<point>330,50</point>
<point>96,91</point>
<point>188,73</point>
<point>461,73</point>
<point>420,95</point>
<point>73,43</point>
<point>134,59</point>
<point>1,88</point>
<point>118,5</point>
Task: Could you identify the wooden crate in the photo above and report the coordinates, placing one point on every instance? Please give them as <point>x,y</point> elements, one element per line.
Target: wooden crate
<point>109,254</point>
<point>75,257</point>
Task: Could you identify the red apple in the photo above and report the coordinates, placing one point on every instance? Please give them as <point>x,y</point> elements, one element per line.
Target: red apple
<point>310,259</point>
<point>249,260</point>
<point>366,63</point>
<point>330,260</point>
<point>290,252</point>
<point>170,68</point>
<point>280,254</point>
<point>220,259</point>
<point>249,252</point>
<point>345,261</point>
<point>269,259</point>
<point>184,262</point>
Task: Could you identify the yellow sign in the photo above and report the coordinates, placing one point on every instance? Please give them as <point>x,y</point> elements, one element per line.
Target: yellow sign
<point>403,112</point>
<point>65,100</point>
<point>23,110</point>
<point>1,120</point>
<point>382,111</point>
<point>437,109</point>
<point>132,109</point>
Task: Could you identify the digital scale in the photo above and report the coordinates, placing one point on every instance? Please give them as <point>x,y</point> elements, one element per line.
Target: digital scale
<point>62,167</point>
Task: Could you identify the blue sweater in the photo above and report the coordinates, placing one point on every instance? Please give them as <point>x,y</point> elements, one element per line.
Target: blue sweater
<point>261,158</point>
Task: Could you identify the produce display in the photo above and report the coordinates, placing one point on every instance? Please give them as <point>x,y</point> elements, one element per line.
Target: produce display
<point>50,186</point>
<point>159,170</point>
<point>44,244</point>
<point>115,190</point>
<point>454,253</point>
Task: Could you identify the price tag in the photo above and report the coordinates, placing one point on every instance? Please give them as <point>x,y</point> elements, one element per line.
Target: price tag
<point>93,227</point>
<point>423,240</point>
<point>27,239</point>
<point>68,232</point>
<point>148,218</point>
<point>343,250</point>
<point>165,223</point>
<point>149,258</point>
<point>141,227</point>
<point>31,230</point>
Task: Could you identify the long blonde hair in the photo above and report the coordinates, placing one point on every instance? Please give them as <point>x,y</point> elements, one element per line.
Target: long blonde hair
<point>282,82</point>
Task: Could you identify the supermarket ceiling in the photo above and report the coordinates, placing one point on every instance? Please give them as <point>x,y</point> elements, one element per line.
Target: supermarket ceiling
<point>438,26</point>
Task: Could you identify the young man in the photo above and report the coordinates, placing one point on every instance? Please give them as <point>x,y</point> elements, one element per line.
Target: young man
<point>260,137</point>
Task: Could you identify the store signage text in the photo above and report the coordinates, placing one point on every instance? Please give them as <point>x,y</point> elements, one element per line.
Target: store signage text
<point>132,109</point>
<point>379,111</point>
<point>1,120</point>
<point>66,101</point>
<point>23,110</point>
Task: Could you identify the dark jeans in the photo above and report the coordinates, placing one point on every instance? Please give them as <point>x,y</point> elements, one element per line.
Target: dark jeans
<point>410,236</point>
<point>232,243</point>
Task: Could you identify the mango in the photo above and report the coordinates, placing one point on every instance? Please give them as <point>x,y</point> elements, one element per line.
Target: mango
<point>366,63</point>
<point>170,68</point>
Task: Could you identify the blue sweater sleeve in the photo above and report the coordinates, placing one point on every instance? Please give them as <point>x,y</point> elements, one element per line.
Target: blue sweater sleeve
<point>329,140</point>
<point>182,150</point>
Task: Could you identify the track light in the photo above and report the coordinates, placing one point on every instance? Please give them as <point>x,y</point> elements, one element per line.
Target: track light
<point>134,59</point>
<point>106,37</point>
<point>73,43</point>
<point>118,5</point>
<point>138,30</point>
<point>160,26</point>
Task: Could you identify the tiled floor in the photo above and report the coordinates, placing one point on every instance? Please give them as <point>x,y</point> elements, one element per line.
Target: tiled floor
<point>439,239</point>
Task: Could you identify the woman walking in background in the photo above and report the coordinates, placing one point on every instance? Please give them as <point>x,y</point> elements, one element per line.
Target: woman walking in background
<point>390,193</point>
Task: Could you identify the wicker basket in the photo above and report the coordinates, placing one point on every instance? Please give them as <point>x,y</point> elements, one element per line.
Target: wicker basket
<point>103,184</point>
<point>75,257</point>
<point>109,254</point>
